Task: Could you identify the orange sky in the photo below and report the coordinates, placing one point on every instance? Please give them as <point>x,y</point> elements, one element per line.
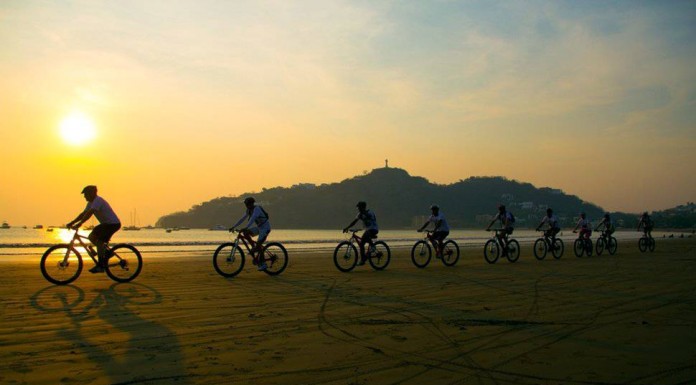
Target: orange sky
<point>192,101</point>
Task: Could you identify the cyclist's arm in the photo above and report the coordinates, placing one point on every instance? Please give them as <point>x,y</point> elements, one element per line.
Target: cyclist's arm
<point>82,218</point>
<point>350,225</point>
<point>424,226</point>
<point>240,221</point>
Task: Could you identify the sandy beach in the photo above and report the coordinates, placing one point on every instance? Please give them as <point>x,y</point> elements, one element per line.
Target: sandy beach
<point>623,319</point>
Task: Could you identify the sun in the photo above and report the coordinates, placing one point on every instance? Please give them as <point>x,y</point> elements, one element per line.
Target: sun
<point>77,129</point>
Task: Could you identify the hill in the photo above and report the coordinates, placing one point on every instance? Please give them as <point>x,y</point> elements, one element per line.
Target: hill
<point>399,200</point>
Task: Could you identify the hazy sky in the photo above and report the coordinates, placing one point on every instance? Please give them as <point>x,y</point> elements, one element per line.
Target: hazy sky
<point>200,99</point>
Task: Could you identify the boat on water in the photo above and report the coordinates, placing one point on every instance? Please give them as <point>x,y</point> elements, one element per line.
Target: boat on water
<point>5,225</point>
<point>218,228</point>
<point>134,219</point>
<point>38,227</point>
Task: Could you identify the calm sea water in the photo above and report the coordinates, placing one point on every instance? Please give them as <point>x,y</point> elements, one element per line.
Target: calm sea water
<point>32,243</point>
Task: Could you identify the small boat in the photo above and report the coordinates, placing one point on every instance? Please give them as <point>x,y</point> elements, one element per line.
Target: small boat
<point>5,225</point>
<point>131,228</point>
<point>218,228</point>
<point>38,227</point>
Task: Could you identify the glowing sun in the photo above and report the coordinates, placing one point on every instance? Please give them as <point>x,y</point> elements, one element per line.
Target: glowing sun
<point>77,129</point>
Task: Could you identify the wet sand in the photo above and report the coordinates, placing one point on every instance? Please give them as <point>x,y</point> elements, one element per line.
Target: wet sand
<point>623,319</point>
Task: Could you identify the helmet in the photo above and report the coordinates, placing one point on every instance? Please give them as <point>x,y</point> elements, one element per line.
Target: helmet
<point>249,200</point>
<point>361,205</point>
<point>549,211</point>
<point>606,215</point>
<point>645,214</point>
<point>435,207</point>
<point>501,208</point>
<point>90,188</point>
<point>582,214</point>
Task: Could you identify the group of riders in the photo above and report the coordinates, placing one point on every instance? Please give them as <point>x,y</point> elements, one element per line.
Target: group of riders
<point>257,224</point>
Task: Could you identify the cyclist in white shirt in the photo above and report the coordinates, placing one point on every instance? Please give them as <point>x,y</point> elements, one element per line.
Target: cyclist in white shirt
<point>507,222</point>
<point>102,233</point>
<point>369,220</point>
<point>440,229</point>
<point>258,224</point>
<point>553,226</point>
<point>584,225</point>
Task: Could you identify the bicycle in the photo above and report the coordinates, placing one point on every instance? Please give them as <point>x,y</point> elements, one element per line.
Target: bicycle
<point>62,264</point>
<point>228,259</point>
<point>543,244</point>
<point>608,242</point>
<point>646,243</point>
<point>421,251</point>
<point>346,254</point>
<point>582,245</point>
<point>491,250</point>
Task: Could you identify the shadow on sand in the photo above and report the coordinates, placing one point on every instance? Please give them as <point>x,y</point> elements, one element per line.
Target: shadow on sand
<point>124,346</point>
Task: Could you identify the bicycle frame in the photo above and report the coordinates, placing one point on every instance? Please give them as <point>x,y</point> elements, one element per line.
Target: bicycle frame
<point>246,240</point>
<point>86,246</point>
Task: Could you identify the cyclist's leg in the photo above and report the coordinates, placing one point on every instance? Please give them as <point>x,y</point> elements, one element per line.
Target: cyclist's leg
<point>263,236</point>
<point>438,238</point>
<point>100,237</point>
<point>368,237</point>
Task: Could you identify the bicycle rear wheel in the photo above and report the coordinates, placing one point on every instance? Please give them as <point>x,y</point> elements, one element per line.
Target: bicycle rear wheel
<point>421,254</point>
<point>228,260</point>
<point>558,248</point>
<point>276,258</point>
<point>61,264</point>
<point>651,244</point>
<point>381,256</point>
<point>124,263</point>
<point>540,249</point>
<point>345,256</point>
<point>513,250</point>
<point>450,253</point>
<point>491,251</point>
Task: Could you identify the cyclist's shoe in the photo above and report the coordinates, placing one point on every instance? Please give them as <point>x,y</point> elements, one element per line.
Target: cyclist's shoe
<point>262,267</point>
<point>96,269</point>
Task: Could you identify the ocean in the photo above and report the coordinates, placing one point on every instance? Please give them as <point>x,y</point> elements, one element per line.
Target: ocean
<point>30,243</point>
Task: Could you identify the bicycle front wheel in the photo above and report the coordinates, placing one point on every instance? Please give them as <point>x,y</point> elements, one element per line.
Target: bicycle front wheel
<point>491,251</point>
<point>381,256</point>
<point>612,246</point>
<point>599,246</point>
<point>345,256</point>
<point>421,254</point>
<point>579,247</point>
<point>228,260</point>
<point>61,264</point>
<point>124,263</point>
<point>558,248</point>
<point>513,250</point>
<point>276,258</point>
<point>450,253</point>
<point>540,249</point>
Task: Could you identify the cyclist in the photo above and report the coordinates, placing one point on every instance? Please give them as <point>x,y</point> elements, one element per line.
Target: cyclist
<point>507,222</point>
<point>258,224</point>
<point>647,224</point>
<point>108,225</point>
<point>554,227</point>
<point>440,230</point>
<point>585,226</point>
<point>369,220</point>
<point>608,225</point>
